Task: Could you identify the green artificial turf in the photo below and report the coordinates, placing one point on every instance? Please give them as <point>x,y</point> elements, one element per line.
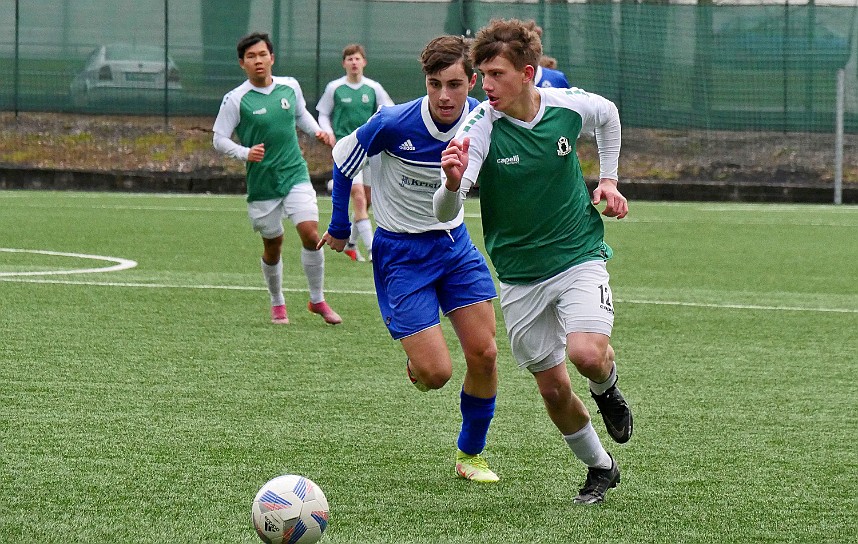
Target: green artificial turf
<point>149,404</point>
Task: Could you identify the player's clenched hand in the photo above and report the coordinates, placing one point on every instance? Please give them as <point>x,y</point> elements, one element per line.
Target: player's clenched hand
<point>616,204</point>
<point>326,138</point>
<point>454,162</point>
<point>256,154</point>
<point>337,244</point>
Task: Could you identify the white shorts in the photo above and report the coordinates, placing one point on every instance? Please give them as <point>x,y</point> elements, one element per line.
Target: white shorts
<point>299,205</point>
<point>364,177</point>
<point>539,316</point>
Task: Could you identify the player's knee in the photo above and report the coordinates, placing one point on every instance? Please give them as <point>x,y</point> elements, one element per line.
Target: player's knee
<point>483,360</point>
<point>436,378</point>
<point>587,357</point>
<point>556,393</point>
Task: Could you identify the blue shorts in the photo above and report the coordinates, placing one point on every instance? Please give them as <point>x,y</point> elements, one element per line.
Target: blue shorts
<point>418,274</point>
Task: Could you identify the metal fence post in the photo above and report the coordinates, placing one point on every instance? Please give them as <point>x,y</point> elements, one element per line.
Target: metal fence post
<point>838,137</point>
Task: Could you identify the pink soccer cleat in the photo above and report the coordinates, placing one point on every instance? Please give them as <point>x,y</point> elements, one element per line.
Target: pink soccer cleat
<point>331,317</point>
<point>354,254</point>
<point>278,315</point>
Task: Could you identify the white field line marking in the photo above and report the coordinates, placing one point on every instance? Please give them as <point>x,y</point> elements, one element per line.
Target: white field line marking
<point>372,292</point>
<point>322,211</point>
<point>778,208</point>
<point>721,221</point>
<point>175,286</point>
<point>121,264</point>
<point>738,306</point>
<point>810,222</point>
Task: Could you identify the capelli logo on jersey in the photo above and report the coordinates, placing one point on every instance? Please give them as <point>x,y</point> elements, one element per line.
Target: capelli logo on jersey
<point>563,146</point>
<point>509,160</point>
<point>262,111</point>
<point>284,104</point>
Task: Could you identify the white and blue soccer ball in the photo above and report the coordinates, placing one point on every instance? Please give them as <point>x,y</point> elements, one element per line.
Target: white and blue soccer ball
<point>290,509</point>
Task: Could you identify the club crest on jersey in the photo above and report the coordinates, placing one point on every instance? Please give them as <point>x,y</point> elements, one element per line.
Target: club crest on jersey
<point>563,146</point>
<point>284,103</point>
<point>364,99</point>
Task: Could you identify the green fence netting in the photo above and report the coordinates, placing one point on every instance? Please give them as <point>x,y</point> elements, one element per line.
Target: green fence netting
<point>737,67</point>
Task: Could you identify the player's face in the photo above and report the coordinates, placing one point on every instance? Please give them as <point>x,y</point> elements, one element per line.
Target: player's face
<point>504,85</point>
<point>257,63</point>
<point>354,64</point>
<point>448,90</point>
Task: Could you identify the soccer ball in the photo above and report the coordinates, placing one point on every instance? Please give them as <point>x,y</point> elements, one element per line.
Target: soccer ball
<point>290,509</point>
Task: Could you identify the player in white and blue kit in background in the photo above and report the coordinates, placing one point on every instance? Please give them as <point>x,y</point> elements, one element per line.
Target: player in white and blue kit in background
<point>422,265</point>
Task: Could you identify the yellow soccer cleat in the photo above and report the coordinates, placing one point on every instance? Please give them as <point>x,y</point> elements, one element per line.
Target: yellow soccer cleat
<point>474,468</point>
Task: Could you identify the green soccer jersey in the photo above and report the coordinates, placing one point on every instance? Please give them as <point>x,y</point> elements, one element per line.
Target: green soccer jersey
<point>353,107</point>
<point>270,118</point>
<point>537,214</point>
<point>350,105</point>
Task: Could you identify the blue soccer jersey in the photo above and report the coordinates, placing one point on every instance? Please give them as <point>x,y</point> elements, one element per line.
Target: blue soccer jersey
<point>404,144</point>
<point>546,77</point>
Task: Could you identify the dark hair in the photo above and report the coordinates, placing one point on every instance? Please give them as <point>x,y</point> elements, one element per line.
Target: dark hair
<point>445,51</point>
<point>252,39</point>
<point>354,48</point>
<point>514,40</point>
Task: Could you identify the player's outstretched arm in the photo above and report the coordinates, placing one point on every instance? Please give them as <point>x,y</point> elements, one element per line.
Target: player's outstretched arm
<point>339,228</point>
<point>616,204</point>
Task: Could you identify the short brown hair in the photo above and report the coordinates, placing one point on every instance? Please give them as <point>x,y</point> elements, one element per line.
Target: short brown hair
<point>511,39</point>
<point>352,49</point>
<point>445,51</point>
<point>548,62</point>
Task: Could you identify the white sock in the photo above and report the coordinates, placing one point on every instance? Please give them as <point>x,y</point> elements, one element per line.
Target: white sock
<point>353,237</point>
<point>586,446</point>
<point>600,388</point>
<point>314,269</point>
<point>273,274</point>
<point>364,229</point>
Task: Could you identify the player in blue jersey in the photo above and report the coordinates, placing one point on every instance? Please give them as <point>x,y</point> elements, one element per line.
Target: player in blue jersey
<point>263,112</point>
<point>544,234</point>
<point>422,265</point>
<point>546,77</point>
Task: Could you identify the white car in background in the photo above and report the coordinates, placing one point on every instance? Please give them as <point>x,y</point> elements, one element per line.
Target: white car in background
<point>125,73</point>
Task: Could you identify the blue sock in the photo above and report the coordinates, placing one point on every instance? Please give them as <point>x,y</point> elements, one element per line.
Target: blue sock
<point>477,414</point>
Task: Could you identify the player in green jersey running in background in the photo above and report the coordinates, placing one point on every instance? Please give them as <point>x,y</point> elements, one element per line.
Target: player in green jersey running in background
<point>346,104</point>
<point>263,112</point>
<point>544,234</point>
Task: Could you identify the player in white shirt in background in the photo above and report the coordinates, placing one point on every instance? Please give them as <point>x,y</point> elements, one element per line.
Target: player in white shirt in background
<point>346,104</point>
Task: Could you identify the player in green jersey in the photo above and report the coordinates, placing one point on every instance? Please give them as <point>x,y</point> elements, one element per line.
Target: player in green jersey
<point>544,234</point>
<point>346,104</point>
<point>263,112</point>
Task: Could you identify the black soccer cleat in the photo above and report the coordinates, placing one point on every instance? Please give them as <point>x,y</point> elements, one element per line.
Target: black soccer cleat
<point>615,413</point>
<point>597,484</point>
